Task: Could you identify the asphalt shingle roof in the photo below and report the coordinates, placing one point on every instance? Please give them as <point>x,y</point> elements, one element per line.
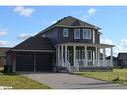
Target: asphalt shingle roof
<point>35,43</point>
<point>70,22</point>
<point>40,43</point>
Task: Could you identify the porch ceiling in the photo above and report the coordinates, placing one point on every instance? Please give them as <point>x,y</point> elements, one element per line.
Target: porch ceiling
<point>87,44</point>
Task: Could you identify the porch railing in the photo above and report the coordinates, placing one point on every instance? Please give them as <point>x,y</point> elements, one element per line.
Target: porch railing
<point>82,63</point>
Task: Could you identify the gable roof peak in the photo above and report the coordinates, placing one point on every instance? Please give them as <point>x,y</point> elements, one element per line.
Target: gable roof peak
<point>70,21</point>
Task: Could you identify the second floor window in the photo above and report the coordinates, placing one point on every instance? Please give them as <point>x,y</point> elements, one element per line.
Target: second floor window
<point>65,32</point>
<point>76,33</point>
<point>86,34</point>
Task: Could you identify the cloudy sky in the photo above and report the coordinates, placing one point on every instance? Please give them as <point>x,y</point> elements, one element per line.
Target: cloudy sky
<point>18,22</point>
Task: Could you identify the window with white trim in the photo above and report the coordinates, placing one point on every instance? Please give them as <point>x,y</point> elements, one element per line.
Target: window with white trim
<point>76,33</point>
<point>86,33</point>
<point>65,32</point>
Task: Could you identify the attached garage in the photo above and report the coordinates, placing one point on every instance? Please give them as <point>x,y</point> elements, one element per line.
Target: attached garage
<point>38,62</point>
<point>34,54</point>
<point>24,62</point>
<point>44,61</point>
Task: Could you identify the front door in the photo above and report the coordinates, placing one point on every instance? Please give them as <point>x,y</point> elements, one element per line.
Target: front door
<point>89,58</point>
<point>70,57</point>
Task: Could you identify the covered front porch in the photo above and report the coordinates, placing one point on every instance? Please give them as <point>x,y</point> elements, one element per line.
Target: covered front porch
<point>79,57</point>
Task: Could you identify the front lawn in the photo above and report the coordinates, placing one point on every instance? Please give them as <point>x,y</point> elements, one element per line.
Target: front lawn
<point>20,82</point>
<point>108,76</point>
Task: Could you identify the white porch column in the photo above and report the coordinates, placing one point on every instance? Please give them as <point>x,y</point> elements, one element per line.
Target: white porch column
<point>103,57</point>
<point>74,55</point>
<point>96,56</point>
<point>93,58</point>
<point>112,56</point>
<point>58,56</point>
<point>99,57</point>
<point>62,61</point>
<point>66,63</point>
<point>85,55</point>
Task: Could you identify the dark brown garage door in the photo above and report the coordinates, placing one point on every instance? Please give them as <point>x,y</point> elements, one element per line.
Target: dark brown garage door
<point>44,61</point>
<point>24,62</point>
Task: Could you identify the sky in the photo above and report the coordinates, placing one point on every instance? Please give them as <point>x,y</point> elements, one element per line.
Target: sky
<point>17,23</point>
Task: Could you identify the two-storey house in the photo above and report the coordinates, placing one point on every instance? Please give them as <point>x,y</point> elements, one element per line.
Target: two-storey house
<point>69,44</point>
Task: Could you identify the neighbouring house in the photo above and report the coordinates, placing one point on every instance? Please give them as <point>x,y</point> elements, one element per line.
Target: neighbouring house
<point>115,60</point>
<point>122,60</point>
<point>3,56</point>
<point>70,44</point>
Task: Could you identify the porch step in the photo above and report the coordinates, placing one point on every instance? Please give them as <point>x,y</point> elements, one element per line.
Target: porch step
<point>74,69</point>
<point>63,70</point>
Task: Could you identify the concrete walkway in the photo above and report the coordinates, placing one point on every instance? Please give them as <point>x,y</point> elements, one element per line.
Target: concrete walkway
<point>70,81</point>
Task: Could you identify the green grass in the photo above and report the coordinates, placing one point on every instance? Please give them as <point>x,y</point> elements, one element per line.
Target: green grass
<point>108,76</point>
<point>20,82</point>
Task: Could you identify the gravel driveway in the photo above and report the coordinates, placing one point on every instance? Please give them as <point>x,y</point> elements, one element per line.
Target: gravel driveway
<point>70,81</point>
